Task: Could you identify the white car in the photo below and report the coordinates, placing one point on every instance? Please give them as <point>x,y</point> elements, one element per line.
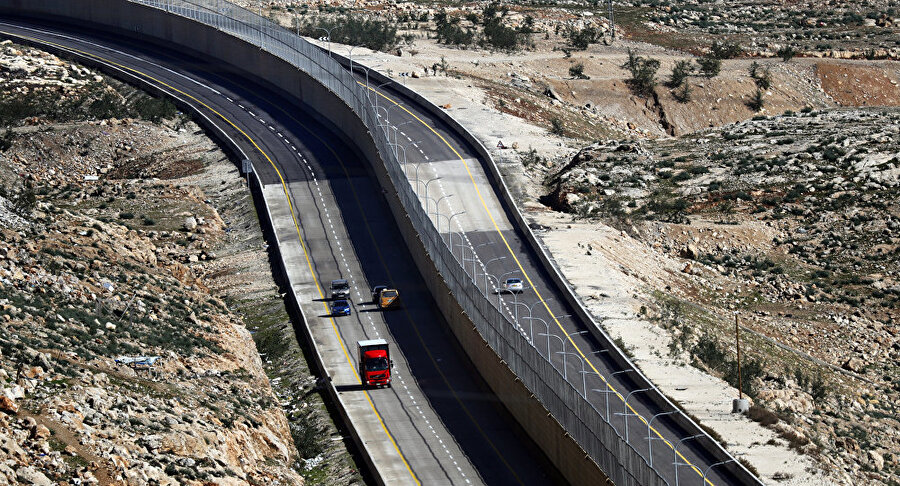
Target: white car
<point>513,285</point>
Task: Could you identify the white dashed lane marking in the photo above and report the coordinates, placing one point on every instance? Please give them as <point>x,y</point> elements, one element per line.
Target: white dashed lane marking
<point>397,375</point>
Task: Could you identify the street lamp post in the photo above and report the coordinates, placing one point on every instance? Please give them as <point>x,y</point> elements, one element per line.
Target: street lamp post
<point>397,129</point>
<point>328,34</point>
<point>396,153</point>
<point>487,287</point>
<point>386,110</point>
<point>449,219</point>
<point>675,461</point>
<point>492,260</point>
<point>561,342</point>
<point>565,366</point>
<point>449,223</point>
<point>426,190</point>
<point>712,466</point>
<point>350,55</point>
<point>437,203</point>
<point>608,380</point>
<point>650,438</point>
<point>625,413</point>
<point>367,69</point>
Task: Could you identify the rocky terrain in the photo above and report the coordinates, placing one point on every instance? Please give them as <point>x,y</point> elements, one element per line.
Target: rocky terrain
<point>724,207</point>
<point>844,29</point>
<point>792,221</point>
<point>124,233</point>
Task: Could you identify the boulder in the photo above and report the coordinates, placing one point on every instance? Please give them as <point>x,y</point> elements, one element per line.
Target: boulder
<point>40,431</point>
<point>853,364</point>
<point>30,475</point>
<point>8,405</point>
<point>190,223</point>
<point>876,460</point>
<point>689,251</point>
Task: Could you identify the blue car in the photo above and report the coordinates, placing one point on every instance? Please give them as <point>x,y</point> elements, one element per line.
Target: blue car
<point>340,307</point>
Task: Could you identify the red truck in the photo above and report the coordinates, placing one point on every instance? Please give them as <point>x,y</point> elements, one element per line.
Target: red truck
<point>374,362</point>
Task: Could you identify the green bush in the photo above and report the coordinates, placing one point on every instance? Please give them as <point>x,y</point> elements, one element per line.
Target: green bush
<point>683,94</point>
<point>643,73</point>
<point>725,50</point>
<point>680,73</point>
<point>449,32</point>
<point>154,109</point>
<point>786,53</point>
<point>378,35</point>
<point>762,77</point>
<point>577,71</point>
<point>556,126</point>
<point>497,35</point>
<point>581,39</point>
<point>710,66</point>
<point>756,101</point>
<point>126,216</point>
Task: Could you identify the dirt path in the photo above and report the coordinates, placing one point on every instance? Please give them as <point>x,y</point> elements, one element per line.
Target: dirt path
<point>98,467</point>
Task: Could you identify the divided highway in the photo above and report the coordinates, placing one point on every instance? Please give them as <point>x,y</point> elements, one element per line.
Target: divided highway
<point>438,424</point>
<point>454,188</point>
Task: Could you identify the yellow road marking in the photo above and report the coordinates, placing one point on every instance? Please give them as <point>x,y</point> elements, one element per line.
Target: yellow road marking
<point>519,264</point>
<point>409,318</point>
<point>290,206</point>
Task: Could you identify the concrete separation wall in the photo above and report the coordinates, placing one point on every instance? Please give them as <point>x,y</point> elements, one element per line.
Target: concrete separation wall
<point>229,145</point>
<point>546,261</point>
<point>154,25</point>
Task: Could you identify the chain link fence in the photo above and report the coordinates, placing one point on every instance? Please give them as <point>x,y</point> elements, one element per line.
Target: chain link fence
<point>579,417</point>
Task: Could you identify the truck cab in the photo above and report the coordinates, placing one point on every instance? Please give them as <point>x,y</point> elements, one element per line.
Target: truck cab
<point>374,362</point>
<point>340,289</point>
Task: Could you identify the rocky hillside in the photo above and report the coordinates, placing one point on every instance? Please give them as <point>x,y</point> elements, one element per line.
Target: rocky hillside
<point>125,236</point>
<point>792,221</point>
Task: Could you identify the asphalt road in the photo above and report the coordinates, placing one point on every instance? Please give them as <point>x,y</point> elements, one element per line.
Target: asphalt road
<point>456,181</point>
<point>446,425</point>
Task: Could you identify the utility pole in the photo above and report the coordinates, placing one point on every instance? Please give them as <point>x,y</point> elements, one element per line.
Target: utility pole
<point>612,22</point>
<point>737,338</point>
<point>740,404</point>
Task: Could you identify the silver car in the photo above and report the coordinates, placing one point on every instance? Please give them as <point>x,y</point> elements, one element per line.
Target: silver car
<point>513,285</point>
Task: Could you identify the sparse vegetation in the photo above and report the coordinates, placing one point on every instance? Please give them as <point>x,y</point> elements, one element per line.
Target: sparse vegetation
<point>680,73</point>
<point>725,50</point>
<point>643,74</point>
<point>577,71</point>
<point>710,66</point>
<point>354,30</point>
<point>757,100</point>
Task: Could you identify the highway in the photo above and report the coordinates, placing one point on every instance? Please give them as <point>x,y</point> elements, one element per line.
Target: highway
<point>438,424</point>
<point>453,187</point>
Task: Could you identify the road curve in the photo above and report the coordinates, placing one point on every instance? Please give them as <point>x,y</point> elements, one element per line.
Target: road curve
<point>438,420</point>
<point>436,155</point>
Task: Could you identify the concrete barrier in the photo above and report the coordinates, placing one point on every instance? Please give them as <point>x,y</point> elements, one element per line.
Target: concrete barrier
<point>283,278</point>
<point>509,205</point>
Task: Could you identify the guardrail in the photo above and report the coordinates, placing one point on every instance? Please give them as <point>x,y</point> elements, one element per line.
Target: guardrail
<point>577,416</point>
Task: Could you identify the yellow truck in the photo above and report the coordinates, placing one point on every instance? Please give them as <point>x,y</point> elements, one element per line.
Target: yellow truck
<point>384,297</point>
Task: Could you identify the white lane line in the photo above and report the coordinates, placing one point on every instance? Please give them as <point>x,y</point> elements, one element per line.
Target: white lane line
<point>345,263</point>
